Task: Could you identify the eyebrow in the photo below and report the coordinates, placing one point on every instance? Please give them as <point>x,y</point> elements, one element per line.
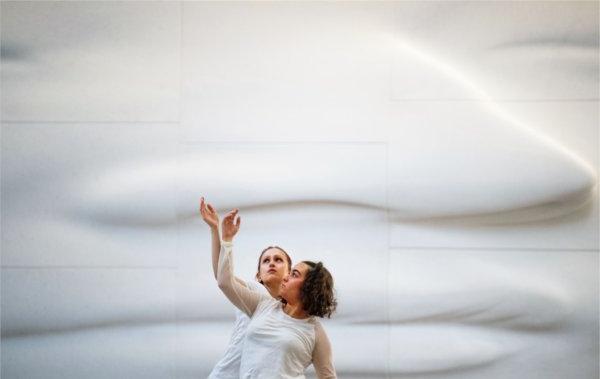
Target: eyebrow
<point>274,256</point>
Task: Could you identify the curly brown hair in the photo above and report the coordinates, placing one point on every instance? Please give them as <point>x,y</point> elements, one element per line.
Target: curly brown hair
<point>317,294</point>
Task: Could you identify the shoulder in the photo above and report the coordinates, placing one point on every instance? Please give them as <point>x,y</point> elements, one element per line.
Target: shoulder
<point>256,287</point>
<point>320,334</point>
<point>317,324</point>
<point>267,303</point>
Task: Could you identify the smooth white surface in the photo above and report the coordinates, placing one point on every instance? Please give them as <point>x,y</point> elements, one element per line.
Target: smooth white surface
<point>90,62</point>
<point>502,308</point>
<point>440,157</point>
<point>509,51</point>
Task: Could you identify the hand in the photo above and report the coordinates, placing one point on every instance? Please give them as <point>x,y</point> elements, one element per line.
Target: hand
<point>209,215</point>
<point>229,228</point>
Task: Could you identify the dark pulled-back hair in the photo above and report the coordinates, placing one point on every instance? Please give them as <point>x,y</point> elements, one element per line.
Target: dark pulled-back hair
<point>317,294</point>
<point>287,256</point>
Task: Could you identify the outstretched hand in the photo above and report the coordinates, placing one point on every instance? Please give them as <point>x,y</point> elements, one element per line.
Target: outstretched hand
<point>209,215</point>
<point>230,225</point>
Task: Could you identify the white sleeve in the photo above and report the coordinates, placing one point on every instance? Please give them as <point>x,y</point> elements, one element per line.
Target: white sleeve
<point>240,295</point>
<point>322,357</point>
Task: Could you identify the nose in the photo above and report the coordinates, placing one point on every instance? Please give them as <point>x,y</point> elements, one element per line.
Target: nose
<point>286,278</point>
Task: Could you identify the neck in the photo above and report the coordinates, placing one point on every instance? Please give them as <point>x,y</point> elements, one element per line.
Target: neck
<point>295,310</point>
<point>273,289</point>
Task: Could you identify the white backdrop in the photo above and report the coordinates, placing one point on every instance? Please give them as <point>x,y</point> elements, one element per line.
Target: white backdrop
<point>441,158</point>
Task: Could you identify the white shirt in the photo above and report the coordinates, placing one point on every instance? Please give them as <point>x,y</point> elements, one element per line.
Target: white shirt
<point>228,366</point>
<point>277,345</point>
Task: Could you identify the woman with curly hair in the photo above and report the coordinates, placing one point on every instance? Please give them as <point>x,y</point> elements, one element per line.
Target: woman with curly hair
<point>284,336</point>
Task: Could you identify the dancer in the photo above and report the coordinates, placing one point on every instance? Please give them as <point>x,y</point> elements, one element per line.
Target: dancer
<point>284,336</point>
<point>273,265</point>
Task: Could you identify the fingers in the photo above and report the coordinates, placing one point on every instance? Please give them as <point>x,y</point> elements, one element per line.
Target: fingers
<point>231,221</point>
<point>210,208</point>
<point>232,213</point>
<point>206,207</point>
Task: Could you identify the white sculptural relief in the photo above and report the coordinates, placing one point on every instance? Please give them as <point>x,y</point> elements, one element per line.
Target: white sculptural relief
<point>105,262</point>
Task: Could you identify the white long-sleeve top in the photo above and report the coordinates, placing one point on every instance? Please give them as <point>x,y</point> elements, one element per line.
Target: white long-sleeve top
<point>228,366</point>
<point>275,345</point>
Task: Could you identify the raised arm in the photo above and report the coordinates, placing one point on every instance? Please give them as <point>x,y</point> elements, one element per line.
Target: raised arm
<point>241,296</point>
<point>211,217</point>
<point>322,355</point>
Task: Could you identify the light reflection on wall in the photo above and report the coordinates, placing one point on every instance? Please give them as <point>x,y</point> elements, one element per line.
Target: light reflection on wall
<point>453,196</point>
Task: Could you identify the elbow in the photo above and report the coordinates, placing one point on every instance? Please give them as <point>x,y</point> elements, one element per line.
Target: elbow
<point>223,284</point>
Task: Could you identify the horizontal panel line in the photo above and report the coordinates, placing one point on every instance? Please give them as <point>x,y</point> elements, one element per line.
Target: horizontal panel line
<point>91,122</point>
<point>497,100</point>
<point>87,267</point>
<point>489,248</point>
<point>270,142</point>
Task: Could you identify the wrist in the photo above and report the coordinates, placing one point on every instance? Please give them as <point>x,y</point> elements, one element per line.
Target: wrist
<point>227,238</point>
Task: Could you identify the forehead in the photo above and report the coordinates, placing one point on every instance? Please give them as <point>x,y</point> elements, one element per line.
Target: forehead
<point>272,252</point>
<point>302,267</point>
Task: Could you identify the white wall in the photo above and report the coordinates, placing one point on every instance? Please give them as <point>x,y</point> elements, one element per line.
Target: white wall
<point>441,158</point>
